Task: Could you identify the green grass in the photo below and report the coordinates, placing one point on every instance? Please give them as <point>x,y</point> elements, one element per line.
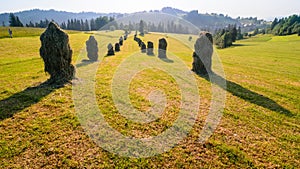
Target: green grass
<point>260,127</point>
<point>24,32</point>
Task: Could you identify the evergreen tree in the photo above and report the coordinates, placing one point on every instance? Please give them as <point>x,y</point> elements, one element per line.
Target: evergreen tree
<point>81,25</point>
<point>86,25</point>
<point>239,34</point>
<point>131,26</point>
<point>77,24</point>
<point>285,26</point>
<point>224,38</point>
<point>63,25</point>
<point>93,25</point>
<point>142,28</point>
<point>68,24</point>
<point>228,39</point>
<point>233,32</point>
<point>30,24</point>
<point>14,21</point>
<point>72,24</point>
<point>274,23</point>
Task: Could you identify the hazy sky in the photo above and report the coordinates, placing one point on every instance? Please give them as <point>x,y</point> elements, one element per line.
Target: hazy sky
<point>265,9</point>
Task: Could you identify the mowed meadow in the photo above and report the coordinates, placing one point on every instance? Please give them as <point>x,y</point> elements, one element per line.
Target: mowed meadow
<point>260,127</point>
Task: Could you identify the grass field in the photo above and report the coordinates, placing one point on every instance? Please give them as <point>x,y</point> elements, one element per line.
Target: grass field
<point>24,32</point>
<point>260,127</point>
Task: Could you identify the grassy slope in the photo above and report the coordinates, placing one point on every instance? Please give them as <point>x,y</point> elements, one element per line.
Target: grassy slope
<point>44,131</point>
<point>23,32</point>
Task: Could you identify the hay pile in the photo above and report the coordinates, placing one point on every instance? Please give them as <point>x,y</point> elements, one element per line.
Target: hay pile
<point>92,48</point>
<point>57,54</point>
<point>162,48</point>
<point>202,57</point>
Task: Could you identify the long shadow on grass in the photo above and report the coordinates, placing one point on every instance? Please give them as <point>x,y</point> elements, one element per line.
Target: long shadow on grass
<point>240,45</point>
<point>84,63</point>
<point>167,60</point>
<point>248,95</point>
<point>24,99</point>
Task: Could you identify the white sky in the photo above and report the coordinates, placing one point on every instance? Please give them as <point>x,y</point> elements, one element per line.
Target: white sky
<point>265,9</point>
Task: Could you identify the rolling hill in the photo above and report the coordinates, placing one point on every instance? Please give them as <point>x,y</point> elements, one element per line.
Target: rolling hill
<point>206,21</point>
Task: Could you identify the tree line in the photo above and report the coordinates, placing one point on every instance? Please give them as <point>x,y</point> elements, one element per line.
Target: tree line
<point>71,24</point>
<point>98,23</point>
<point>166,27</point>
<point>225,37</point>
<point>286,26</point>
<point>14,21</point>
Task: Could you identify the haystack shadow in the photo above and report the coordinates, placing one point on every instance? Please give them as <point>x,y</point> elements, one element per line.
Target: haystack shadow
<point>241,45</point>
<point>247,95</point>
<point>24,99</point>
<point>152,54</point>
<point>85,62</point>
<point>167,60</point>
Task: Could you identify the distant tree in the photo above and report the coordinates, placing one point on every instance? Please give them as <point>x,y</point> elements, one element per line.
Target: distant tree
<point>86,25</point>
<point>78,25</point>
<point>93,25</point>
<point>224,38</point>
<point>142,28</point>
<point>63,25</point>
<point>227,39</point>
<point>233,32</point>
<point>42,24</point>
<point>19,23</point>
<point>30,24</point>
<point>3,24</point>
<point>274,23</point>
<point>239,33</point>
<point>131,26</point>
<point>81,25</point>
<point>100,22</point>
<point>46,23</point>
<point>285,26</point>
<point>14,21</point>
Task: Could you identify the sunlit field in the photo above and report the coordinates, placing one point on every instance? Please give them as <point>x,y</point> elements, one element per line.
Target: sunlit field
<point>260,127</point>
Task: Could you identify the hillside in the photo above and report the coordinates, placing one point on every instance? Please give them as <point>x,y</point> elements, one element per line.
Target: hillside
<point>36,15</point>
<point>206,21</point>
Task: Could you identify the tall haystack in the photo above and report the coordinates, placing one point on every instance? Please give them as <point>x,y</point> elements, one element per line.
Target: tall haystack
<point>162,48</point>
<point>202,57</point>
<point>57,54</point>
<point>110,50</point>
<point>92,48</point>
<point>150,47</point>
